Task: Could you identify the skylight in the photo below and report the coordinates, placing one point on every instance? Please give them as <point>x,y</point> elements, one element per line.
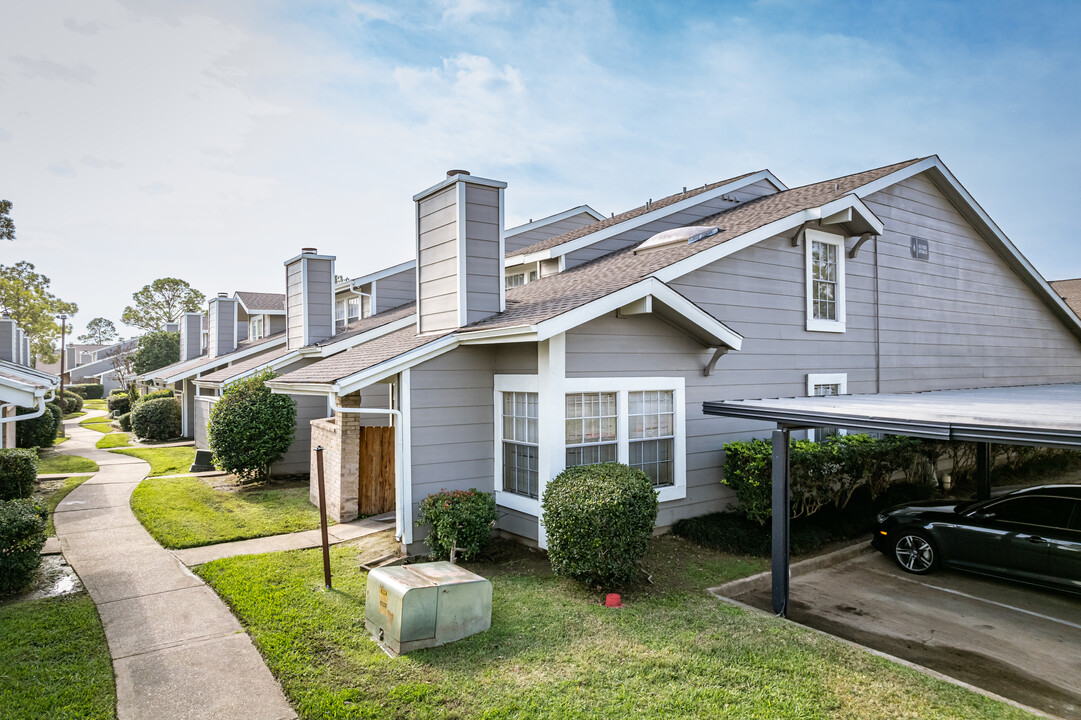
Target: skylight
<point>689,234</point>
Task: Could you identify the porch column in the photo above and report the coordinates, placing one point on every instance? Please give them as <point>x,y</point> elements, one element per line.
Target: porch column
<point>551,418</point>
<point>781,515</point>
<point>983,471</point>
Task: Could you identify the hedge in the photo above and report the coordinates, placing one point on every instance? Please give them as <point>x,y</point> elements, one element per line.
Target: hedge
<point>156,419</point>
<point>39,431</point>
<point>461,522</point>
<point>118,391</point>
<point>157,394</point>
<point>88,391</point>
<point>250,428</point>
<point>18,471</point>
<point>119,404</point>
<point>599,520</point>
<point>125,422</point>
<point>22,535</point>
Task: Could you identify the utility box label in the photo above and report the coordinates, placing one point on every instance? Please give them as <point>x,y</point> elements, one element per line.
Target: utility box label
<point>921,249</point>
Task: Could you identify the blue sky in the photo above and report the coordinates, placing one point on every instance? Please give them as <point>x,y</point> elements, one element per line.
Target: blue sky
<point>210,141</point>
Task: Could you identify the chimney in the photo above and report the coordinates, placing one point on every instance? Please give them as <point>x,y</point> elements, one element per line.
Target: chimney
<point>72,359</point>
<point>8,351</point>
<point>191,336</point>
<point>20,338</point>
<point>222,326</point>
<point>309,298</point>
<point>26,350</point>
<point>459,252</point>
<point>172,327</point>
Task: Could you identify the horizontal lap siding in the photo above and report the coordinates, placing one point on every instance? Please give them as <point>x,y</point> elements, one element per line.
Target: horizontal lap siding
<point>395,290</point>
<point>294,305</point>
<point>437,261</point>
<point>484,271</point>
<point>520,240</point>
<point>298,457</point>
<point>451,427</point>
<point>320,299</point>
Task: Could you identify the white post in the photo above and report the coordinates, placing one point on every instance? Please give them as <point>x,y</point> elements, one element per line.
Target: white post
<point>551,417</point>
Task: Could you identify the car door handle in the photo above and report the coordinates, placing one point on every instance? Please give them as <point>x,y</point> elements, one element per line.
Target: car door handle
<point>1036,539</point>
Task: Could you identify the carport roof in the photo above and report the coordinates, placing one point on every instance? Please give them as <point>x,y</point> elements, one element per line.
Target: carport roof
<point>1047,415</point>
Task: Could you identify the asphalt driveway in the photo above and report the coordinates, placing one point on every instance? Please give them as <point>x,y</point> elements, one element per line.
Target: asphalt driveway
<point>1019,642</point>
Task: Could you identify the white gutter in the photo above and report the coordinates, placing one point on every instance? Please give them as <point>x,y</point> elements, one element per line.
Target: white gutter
<point>41,400</point>
<point>399,461</point>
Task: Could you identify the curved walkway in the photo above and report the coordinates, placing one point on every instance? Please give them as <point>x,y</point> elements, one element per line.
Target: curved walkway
<point>177,650</point>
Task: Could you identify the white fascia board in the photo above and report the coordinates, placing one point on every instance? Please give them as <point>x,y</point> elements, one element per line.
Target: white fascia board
<point>281,388</point>
<point>694,262</point>
<point>380,274</point>
<point>220,361</point>
<point>643,288</point>
<point>855,203</point>
<point>943,173</point>
<point>385,369</point>
<point>604,234</point>
<point>335,348</point>
<point>471,179</point>
<point>522,333</point>
<point>558,217</point>
<point>33,376</point>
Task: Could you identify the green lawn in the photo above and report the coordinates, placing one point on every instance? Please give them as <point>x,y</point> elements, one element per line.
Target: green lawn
<point>72,416</point>
<point>113,440</point>
<point>164,461</point>
<point>51,462</point>
<point>95,405</point>
<point>49,493</point>
<point>554,651</point>
<point>55,661</point>
<point>186,512</point>
<point>98,424</point>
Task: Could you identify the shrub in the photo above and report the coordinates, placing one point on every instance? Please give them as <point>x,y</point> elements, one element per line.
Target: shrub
<point>119,403</point>
<point>125,422</point>
<point>250,428</point>
<point>88,391</point>
<point>18,471</point>
<point>40,431</point>
<point>156,419</point>
<point>461,522</point>
<point>22,535</point>
<point>118,391</point>
<point>72,403</point>
<point>155,395</point>
<point>599,520</point>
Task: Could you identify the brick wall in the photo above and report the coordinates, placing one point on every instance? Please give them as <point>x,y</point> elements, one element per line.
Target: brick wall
<point>340,438</point>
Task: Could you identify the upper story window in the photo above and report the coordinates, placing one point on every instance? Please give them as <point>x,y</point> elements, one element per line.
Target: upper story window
<point>825,259</point>
<point>255,327</point>
<point>520,279</point>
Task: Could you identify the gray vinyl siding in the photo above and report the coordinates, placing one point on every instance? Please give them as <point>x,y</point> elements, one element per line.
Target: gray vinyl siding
<point>517,523</point>
<point>191,336</point>
<point>222,328</point>
<point>451,425</point>
<point>294,305</point>
<point>395,290</point>
<point>437,261</point>
<point>484,266</point>
<point>677,219</point>
<point>320,306</point>
<point>8,350</point>
<point>276,323</point>
<point>528,237</point>
<point>297,458</point>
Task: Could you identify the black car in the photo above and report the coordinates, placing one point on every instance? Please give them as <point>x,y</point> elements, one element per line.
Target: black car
<point>1032,535</point>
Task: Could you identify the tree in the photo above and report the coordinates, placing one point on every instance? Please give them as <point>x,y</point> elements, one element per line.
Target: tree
<point>251,428</point>
<point>160,302</point>
<point>123,364</point>
<point>156,350</point>
<point>24,294</point>
<point>7,225</point>
<point>99,331</point>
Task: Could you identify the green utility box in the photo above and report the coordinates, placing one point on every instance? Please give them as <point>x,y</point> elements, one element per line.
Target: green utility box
<point>424,605</point>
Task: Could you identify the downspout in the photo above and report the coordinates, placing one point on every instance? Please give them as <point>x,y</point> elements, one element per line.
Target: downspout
<point>399,461</point>
<point>878,328</point>
<point>362,295</point>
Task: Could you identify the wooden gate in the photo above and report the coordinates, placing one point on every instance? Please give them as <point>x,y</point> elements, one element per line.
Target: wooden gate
<point>376,470</point>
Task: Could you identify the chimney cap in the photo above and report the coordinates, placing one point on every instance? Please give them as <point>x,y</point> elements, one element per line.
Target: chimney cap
<point>452,173</point>
<point>221,294</point>
<point>308,251</point>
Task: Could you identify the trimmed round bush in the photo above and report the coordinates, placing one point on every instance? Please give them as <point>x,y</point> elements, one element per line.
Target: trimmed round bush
<point>18,471</point>
<point>22,535</point>
<point>459,519</point>
<point>88,391</point>
<point>156,419</point>
<point>599,520</point>
<point>155,395</point>
<point>119,404</point>
<point>39,431</point>
<point>71,402</point>
<point>251,428</point>
<point>125,422</point>
<point>118,391</point>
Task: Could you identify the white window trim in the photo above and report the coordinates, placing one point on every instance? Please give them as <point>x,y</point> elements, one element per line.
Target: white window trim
<point>502,384</point>
<point>814,324</point>
<point>838,379</point>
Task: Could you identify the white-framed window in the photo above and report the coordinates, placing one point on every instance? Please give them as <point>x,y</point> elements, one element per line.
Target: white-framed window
<point>255,329</point>
<point>517,443</point>
<point>591,422</point>
<point>516,280</point>
<point>352,309</point>
<point>652,434</point>
<point>825,263</point>
<point>826,384</point>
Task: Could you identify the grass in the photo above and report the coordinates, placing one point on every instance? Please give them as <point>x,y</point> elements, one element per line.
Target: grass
<point>50,492</point>
<point>55,661</point>
<point>59,440</point>
<point>95,405</point>
<point>72,416</point>
<point>51,462</point>
<point>99,424</point>
<point>164,461</point>
<point>113,440</point>
<point>186,512</point>
<point>554,651</point>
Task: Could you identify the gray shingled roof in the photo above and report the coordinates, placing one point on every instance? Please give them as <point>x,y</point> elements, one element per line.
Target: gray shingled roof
<point>359,327</point>
<point>236,369</point>
<point>566,237</point>
<point>204,361</point>
<point>554,295</point>
<point>266,302</point>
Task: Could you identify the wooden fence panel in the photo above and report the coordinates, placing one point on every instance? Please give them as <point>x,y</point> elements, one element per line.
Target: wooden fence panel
<point>376,470</point>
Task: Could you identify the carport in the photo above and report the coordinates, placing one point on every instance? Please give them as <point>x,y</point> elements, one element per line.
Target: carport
<point>1041,415</point>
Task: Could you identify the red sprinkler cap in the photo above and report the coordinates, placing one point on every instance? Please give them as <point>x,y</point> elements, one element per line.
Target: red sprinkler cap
<point>612,600</point>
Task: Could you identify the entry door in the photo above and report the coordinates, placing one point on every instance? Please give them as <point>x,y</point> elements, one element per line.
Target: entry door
<point>376,481</point>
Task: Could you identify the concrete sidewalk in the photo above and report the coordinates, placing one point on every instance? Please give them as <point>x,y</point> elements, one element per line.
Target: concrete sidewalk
<point>177,650</point>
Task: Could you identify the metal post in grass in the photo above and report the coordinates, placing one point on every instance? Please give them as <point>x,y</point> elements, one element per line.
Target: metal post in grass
<point>323,514</point>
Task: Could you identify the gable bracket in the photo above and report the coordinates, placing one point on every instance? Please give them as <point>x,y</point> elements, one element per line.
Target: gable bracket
<point>799,233</point>
<point>717,355</point>
<point>859,243</point>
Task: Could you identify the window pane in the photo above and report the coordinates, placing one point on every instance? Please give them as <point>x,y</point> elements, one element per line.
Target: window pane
<point>574,432</point>
<point>654,458</point>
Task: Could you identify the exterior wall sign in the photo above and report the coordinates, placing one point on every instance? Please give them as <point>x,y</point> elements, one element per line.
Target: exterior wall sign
<point>921,248</point>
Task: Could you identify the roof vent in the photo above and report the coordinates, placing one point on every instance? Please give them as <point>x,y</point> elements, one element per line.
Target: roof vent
<point>452,173</point>
<point>688,235</point>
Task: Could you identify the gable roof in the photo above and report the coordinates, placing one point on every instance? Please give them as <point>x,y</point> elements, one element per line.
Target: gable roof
<point>261,303</point>
<point>1070,291</point>
<point>244,367</point>
<point>189,368</point>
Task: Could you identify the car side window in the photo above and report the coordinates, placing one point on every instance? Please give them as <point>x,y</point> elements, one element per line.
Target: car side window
<point>1041,510</point>
<point>1075,524</point>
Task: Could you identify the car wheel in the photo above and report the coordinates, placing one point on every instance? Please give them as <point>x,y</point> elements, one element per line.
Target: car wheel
<point>915,553</point>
